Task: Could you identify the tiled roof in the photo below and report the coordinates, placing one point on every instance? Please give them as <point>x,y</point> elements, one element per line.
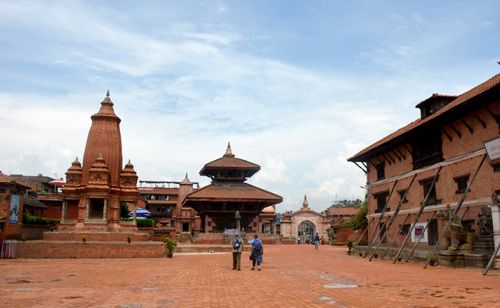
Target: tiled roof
<point>33,202</point>
<point>5,179</point>
<point>158,190</point>
<point>344,211</point>
<point>463,98</point>
<point>32,178</point>
<point>230,163</point>
<point>232,192</point>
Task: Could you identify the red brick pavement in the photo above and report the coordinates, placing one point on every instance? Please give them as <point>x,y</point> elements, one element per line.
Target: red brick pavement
<point>292,276</point>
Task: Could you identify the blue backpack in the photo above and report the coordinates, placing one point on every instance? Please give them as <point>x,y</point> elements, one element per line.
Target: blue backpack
<point>236,244</point>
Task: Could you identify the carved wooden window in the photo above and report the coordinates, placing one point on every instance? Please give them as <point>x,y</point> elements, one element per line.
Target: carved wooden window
<point>380,167</point>
<point>381,199</point>
<point>461,184</point>
<point>427,185</point>
<point>401,195</point>
<point>405,229</point>
<point>426,149</point>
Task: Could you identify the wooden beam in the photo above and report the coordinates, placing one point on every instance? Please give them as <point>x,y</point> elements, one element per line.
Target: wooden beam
<point>459,134</point>
<point>408,149</point>
<point>396,154</point>
<point>364,170</point>
<point>480,120</point>
<point>447,135</point>
<point>467,125</point>
<point>387,159</point>
<point>365,165</point>
<point>401,153</point>
<point>492,114</point>
<point>390,156</point>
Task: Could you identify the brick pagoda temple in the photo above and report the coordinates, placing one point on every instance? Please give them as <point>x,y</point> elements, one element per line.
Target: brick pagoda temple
<point>218,202</point>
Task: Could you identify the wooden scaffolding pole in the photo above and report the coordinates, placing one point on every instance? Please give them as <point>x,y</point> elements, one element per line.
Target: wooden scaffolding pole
<point>420,237</point>
<point>382,213</point>
<point>386,249</point>
<point>455,211</point>
<point>494,202</point>
<point>422,206</point>
<point>391,220</point>
<point>425,229</point>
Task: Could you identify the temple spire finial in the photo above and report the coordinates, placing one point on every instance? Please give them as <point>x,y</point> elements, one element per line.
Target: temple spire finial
<point>305,203</point>
<point>107,93</point>
<point>186,180</point>
<point>229,151</point>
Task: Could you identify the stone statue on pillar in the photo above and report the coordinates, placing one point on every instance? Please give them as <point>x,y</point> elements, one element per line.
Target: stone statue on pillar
<point>237,216</point>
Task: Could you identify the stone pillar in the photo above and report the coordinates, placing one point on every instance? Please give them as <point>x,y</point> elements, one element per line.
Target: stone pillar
<point>495,215</point>
<point>105,210</point>
<point>237,217</point>
<point>273,227</point>
<point>63,211</point>
<point>82,209</point>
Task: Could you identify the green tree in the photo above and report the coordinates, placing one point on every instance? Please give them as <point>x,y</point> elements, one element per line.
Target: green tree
<point>359,220</point>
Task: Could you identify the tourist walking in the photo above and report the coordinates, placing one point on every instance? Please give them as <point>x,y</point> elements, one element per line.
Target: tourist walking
<point>257,252</point>
<point>237,244</point>
<point>317,240</point>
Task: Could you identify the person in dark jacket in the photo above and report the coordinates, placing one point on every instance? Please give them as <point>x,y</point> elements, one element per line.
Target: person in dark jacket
<point>317,241</point>
<point>257,252</point>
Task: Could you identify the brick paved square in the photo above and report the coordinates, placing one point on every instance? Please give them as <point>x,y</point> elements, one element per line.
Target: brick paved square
<point>292,276</point>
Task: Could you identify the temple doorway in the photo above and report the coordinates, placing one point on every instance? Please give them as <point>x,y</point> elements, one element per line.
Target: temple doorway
<point>306,232</point>
<point>96,208</point>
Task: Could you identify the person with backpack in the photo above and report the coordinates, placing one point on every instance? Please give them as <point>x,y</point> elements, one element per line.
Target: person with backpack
<point>317,241</point>
<point>237,244</point>
<point>257,252</point>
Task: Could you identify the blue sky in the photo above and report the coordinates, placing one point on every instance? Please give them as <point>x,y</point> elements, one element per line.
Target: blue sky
<point>296,86</point>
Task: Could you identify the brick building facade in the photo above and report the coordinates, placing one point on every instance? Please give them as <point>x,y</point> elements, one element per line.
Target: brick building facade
<point>12,194</point>
<point>435,156</point>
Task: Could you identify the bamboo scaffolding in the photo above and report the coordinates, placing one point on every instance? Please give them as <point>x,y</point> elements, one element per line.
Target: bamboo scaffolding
<point>455,211</point>
<point>382,213</point>
<point>391,220</point>
<point>420,237</point>
<point>394,238</point>
<point>494,202</point>
<point>422,206</point>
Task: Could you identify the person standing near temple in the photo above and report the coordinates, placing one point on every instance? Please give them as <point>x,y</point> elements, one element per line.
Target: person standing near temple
<point>237,244</point>
<point>317,241</point>
<point>257,252</point>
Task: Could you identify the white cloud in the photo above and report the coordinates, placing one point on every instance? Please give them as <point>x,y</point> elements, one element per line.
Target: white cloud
<point>185,88</point>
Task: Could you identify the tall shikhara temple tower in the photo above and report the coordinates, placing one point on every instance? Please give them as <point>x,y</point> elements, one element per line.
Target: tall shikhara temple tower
<point>94,192</point>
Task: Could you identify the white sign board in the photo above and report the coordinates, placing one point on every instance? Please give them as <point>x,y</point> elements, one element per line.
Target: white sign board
<point>418,231</point>
<point>493,149</point>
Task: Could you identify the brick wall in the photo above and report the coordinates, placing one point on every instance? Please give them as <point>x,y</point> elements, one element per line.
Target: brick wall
<point>96,236</point>
<point>62,250</point>
<point>33,232</point>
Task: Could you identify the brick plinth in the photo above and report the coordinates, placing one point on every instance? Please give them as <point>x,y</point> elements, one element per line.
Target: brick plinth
<point>95,236</point>
<point>63,250</point>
